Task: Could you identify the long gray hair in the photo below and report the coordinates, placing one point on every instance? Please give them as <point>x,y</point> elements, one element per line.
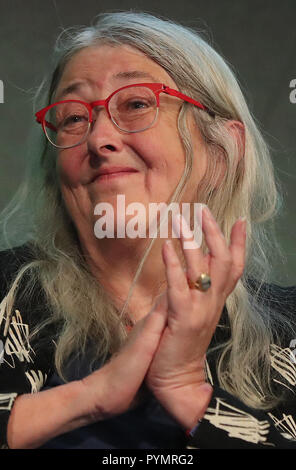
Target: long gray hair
<point>247,188</point>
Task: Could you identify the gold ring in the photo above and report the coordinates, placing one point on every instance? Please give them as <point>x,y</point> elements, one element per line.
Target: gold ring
<point>203,282</point>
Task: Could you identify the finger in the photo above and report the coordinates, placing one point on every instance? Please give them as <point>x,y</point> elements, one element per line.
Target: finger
<point>178,290</point>
<point>195,260</point>
<point>238,251</point>
<point>161,304</point>
<point>147,332</point>
<point>220,255</point>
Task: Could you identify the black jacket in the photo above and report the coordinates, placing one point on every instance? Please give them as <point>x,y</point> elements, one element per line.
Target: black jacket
<point>228,423</point>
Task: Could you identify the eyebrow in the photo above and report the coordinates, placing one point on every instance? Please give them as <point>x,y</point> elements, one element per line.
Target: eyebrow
<point>119,76</point>
<point>135,74</point>
<point>69,89</point>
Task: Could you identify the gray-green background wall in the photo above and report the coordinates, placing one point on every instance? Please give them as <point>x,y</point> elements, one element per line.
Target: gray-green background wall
<point>257,37</point>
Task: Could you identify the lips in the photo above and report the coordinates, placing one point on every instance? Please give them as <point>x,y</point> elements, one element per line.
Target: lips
<point>114,170</point>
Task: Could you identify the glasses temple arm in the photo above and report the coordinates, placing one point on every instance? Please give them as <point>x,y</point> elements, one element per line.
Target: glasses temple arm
<point>40,120</point>
<point>178,94</point>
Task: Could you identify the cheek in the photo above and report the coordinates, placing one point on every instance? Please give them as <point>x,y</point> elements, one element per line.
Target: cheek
<point>161,150</point>
<point>68,169</point>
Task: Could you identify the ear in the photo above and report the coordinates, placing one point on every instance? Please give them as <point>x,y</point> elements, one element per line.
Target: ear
<point>236,130</point>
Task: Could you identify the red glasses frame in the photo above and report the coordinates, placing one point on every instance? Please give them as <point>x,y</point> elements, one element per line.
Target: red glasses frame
<point>157,88</point>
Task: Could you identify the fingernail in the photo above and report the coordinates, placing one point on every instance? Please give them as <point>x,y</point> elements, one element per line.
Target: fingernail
<point>243,221</point>
<point>206,210</point>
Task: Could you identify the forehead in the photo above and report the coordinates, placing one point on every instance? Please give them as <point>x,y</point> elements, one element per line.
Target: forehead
<point>106,67</point>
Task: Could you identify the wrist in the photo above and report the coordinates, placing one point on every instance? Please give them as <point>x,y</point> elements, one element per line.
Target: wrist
<point>36,418</point>
<point>187,405</point>
<point>94,393</point>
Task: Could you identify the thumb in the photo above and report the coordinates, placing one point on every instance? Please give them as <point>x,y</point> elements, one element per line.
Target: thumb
<point>161,304</point>
<point>144,337</point>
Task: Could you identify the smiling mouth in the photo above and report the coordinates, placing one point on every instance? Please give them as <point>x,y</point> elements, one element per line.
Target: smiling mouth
<point>114,174</point>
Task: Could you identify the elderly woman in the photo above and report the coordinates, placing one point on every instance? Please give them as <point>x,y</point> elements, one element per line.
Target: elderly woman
<point>138,342</point>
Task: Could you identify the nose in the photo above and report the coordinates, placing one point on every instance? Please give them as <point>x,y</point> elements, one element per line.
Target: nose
<point>104,137</point>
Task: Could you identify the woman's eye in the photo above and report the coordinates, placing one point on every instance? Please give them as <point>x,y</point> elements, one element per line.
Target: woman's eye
<point>74,119</point>
<point>137,104</point>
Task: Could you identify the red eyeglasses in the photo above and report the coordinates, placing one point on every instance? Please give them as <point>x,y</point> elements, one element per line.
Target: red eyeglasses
<point>132,108</point>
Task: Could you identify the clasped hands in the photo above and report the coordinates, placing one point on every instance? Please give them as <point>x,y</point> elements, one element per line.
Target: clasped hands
<point>176,375</point>
<point>167,348</point>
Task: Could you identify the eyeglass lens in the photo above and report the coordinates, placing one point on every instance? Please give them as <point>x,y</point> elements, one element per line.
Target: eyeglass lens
<point>132,109</point>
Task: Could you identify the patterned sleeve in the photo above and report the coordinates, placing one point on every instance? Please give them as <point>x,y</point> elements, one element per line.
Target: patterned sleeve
<point>21,369</point>
<point>230,424</point>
